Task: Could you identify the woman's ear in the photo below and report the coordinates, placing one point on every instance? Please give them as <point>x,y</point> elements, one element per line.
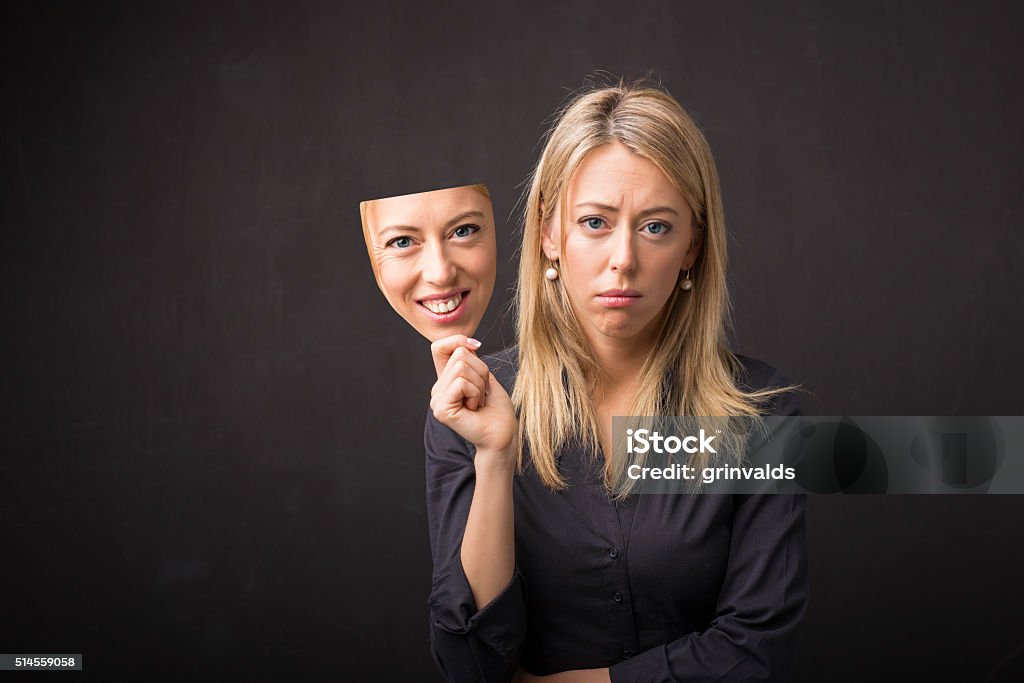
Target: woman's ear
<point>550,235</point>
<point>694,251</point>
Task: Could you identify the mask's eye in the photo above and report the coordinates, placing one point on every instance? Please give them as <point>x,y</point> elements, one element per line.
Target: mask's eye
<point>657,228</point>
<point>402,242</point>
<point>465,230</point>
<point>594,223</point>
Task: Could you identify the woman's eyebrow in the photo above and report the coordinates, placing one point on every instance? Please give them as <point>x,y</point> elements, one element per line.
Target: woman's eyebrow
<point>463,216</point>
<point>613,209</point>
<point>657,209</point>
<point>597,205</point>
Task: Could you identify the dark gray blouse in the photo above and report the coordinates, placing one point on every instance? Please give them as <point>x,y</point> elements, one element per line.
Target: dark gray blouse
<point>658,588</point>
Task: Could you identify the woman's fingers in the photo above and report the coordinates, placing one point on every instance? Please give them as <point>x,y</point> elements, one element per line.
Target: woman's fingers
<point>465,371</point>
<point>460,347</point>
<point>449,398</point>
<point>464,363</point>
<point>463,354</point>
<point>443,349</point>
<point>465,367</point>
<point>494,430</point>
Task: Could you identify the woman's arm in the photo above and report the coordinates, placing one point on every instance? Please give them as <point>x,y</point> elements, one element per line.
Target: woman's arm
<point>488,544</point>
<point>478,614</point>
<point>574,676</point>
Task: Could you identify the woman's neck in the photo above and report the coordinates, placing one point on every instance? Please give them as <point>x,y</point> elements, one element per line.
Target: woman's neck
<point>620,362</point>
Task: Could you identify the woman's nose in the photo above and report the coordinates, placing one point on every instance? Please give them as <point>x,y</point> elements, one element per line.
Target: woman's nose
<point>623,256</point>
<point>438,269</point>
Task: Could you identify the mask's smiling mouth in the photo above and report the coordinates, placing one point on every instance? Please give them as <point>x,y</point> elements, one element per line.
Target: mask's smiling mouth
<point>446,307</point>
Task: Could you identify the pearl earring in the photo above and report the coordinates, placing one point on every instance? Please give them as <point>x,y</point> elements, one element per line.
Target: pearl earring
<point>687,284</point>
<point>551,273</point>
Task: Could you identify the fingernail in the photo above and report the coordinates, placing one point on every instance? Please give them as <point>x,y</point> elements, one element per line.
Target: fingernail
<point>474,343</point>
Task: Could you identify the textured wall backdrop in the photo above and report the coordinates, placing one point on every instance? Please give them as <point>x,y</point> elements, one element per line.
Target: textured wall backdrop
<point>212,421</point>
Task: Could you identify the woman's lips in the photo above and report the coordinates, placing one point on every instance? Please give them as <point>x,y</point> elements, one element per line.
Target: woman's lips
<point>618,298</point>
<point>445,308</point>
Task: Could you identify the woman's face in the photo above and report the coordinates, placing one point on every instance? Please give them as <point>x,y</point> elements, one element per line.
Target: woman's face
<point>434,257</point>
<point>627,236</point>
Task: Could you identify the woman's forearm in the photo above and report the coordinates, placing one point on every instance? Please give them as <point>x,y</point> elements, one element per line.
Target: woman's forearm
<point>488,545</point>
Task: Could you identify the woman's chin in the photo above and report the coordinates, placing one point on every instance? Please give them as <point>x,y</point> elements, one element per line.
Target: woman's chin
<point>624,329</point>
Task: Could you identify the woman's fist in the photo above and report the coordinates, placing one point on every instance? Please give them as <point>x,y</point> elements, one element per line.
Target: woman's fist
<point>468,399</point>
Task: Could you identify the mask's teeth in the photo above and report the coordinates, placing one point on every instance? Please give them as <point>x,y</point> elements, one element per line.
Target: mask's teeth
<point>444,306</point>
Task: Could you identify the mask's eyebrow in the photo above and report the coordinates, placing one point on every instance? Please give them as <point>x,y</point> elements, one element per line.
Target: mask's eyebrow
<point>479,215</point>
<point>451,222</point>
<point>403,229</point>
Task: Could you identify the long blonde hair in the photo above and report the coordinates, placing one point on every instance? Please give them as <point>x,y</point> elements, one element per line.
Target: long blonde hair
<point>689,369</point>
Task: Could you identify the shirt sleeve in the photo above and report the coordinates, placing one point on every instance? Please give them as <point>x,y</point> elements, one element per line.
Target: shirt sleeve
<point>762,600</point>
<point>467,644</point>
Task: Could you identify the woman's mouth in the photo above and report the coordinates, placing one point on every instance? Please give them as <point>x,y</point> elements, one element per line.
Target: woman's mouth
<point>618,298</point>
<point>446,307</point>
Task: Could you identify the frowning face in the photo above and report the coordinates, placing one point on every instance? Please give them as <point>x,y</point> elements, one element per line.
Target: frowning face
<point>627,239</point>
<point>434,257</point>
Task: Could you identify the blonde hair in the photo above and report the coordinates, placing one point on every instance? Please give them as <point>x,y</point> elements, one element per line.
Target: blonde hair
<point>689,369</point>
<point>364,207</point>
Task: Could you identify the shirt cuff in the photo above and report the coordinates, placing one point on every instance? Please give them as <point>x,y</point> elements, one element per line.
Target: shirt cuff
<point>500,624</point>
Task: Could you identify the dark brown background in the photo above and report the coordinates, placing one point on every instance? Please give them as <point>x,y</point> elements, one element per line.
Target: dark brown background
<point>212,420</point>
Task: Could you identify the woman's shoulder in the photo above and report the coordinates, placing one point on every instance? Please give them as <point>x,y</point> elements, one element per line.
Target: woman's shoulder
<point>504,365</point>
<point>754,375</point>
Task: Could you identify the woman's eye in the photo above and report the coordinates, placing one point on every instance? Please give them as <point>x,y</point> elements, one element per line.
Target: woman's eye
<point>657,228</point>
<point>593,223</point>
<point>400,242</point>
<point>465,230</point>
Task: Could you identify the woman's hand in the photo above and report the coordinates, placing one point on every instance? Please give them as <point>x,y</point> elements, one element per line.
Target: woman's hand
<point>468,399</point>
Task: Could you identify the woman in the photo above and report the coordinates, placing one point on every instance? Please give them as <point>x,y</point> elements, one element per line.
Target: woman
<point>544,567</point>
